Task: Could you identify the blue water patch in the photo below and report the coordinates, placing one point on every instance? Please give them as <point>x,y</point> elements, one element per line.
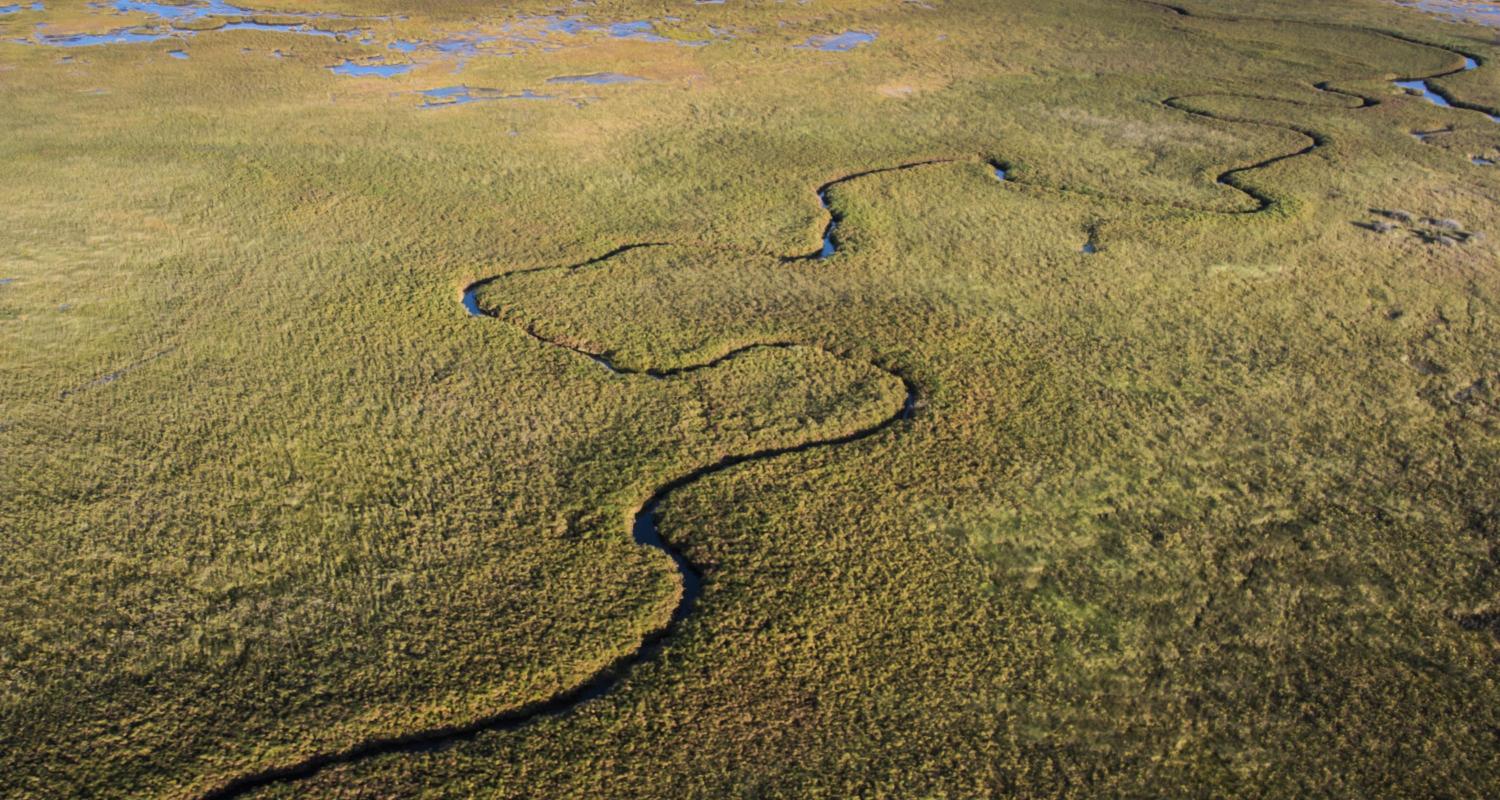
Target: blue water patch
<point>128,36</point>
<point>377,70</point>
<point>471,304</point>
<point>238,20</point>
<point>1432,96</point>
<point>569,25</point>
<point>181,13</point>
<point>446,92</point>
<point>1426,91</point>
<point>178,54</point>
<point>464,44</point>
<point>838,43</point>
<point>1476,11</point>
<point>19,7</point>
<point>458,95</point>
<point>168,20</point>
<point>173,20</point>
<point>154,34</point>
<point>597,78</point>
<point>641,30</point>
<point>209,9</point>
<point>250,25</point>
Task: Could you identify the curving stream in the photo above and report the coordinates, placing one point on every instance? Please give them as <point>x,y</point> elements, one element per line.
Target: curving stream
<point>645,528</point>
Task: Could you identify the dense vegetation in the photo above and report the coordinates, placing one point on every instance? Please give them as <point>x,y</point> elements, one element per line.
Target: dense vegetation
<point>1210,511</point>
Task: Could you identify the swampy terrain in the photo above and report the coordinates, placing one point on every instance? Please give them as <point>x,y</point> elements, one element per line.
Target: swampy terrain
<point>842,398</point>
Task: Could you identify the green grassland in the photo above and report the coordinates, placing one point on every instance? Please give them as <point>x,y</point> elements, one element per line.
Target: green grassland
<point>1211,511</point>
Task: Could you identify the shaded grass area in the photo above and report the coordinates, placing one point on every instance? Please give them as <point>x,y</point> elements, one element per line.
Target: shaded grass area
<point>1203,512</point>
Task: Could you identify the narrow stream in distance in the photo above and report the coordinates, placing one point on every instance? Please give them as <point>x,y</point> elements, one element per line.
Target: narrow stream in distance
<point>1431,95</point>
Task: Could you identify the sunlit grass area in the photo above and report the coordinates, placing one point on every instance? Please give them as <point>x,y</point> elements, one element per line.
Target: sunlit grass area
<point>1196,494</point>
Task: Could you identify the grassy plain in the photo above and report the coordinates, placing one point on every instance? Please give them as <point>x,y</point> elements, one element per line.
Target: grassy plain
<point>1210,511</point>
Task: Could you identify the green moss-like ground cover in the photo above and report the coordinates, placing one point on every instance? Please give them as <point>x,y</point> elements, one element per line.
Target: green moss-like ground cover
<point>1208,512</point>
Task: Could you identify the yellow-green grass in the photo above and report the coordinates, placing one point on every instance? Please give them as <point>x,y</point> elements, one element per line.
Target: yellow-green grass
<point>1207,512</point>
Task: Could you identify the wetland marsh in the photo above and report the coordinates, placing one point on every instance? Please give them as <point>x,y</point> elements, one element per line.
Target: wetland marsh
<point>842,398</point>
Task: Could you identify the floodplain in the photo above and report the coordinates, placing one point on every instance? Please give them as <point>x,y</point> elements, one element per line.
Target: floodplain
<point>847,398</point>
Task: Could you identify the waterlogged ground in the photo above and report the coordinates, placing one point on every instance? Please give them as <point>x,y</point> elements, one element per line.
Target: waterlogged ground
<point>1477,12</point>
<point>846,398</point>
<point>149,22</point>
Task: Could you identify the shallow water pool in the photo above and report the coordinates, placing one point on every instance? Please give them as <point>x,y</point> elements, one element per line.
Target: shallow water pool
<point>838,43</point>
<point>371,70</point>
